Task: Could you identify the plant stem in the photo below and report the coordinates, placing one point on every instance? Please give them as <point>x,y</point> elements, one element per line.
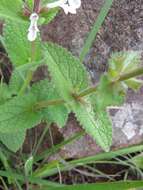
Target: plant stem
<point>36,6</point>
<point>45,104</point>
<point>41,139</point>
<point>134,73</point>
<point>26,82</point>
<point>88,91</point>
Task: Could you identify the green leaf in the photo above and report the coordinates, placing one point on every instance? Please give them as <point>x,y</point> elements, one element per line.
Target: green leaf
<point>121,185</point>
<point>68,74</point>
<point>18,47</point>
<point>122,63</point>
<point>13,141</point>
<point>96,27</point>
<point>10,10</point>
<point>98,126</point>
<point>28,166</point>
<point>45,91</point>
<point>19,114</point>
<point>5,94</point>
<point>137,161</point>
<point>49,15</point>
<point>108,94</point>
<point>134,83</point>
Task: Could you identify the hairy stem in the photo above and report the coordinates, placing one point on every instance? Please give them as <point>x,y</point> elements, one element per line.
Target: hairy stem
<point>88,91</point>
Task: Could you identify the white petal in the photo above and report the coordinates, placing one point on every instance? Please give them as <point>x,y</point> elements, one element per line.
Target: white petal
<point>67,9</point>
<point>75,3</point>
<point>32,35</point>
<point>33,28</point>
<point>56,4</point>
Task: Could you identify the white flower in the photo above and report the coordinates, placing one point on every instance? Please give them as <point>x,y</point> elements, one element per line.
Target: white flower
<point>33,28</point>
<point>69,6</point>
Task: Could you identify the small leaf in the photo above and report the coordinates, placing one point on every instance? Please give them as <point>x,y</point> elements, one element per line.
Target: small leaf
<point>28,166</point>
<point>13,141</point>
<point>134,84</point>
<point>108,94</point>
<point>122,63</point>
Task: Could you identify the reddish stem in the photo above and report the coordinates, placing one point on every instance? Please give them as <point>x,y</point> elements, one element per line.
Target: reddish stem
<point>36,6</point>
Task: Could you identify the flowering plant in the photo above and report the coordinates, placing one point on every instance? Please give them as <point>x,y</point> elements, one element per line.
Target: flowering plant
<point>24,105</point>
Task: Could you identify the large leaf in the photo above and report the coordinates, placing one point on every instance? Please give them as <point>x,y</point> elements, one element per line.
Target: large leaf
<point>67,73</point>
<point>13,141</point>
<point>45,91</point>
<point>69,76</point>
<point>19,114</point>
<point>18,47</point>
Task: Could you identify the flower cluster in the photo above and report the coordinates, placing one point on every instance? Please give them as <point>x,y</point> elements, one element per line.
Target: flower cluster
<point>69,6</point>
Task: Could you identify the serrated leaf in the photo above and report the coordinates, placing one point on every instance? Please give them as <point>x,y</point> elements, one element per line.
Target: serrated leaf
<point>98,125</point>
<point>18,47</point>
<point>19,114</point>
<point>122,63</point>
<point>10,10</point>
<point>45,91</point>
<point>13,141</point>
<point>68,74</point>
<point>108,94</point>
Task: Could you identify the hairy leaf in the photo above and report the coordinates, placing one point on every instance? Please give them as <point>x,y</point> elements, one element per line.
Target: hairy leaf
<point>19,114</point>
<point>45,91</point>
<point>18,47</point>
<point>108,94</point>
<point>122,63</point>
<point>68,74</point>
<point>97,125</point>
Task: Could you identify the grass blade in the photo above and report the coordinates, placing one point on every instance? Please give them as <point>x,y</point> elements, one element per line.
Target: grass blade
<point>92,35</point>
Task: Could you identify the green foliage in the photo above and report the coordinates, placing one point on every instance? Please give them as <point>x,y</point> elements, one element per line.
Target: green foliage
<point>68,74</point>
<point>47,17</point>
<point>10,10</point>
<point>19,114</point>
<point>13,140</point>
<point>45,91</point>
<point>96,125</point>
<point>16,44</point>
<point>28,166</point>
<point>125,62</point>
<point>108,94</point>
